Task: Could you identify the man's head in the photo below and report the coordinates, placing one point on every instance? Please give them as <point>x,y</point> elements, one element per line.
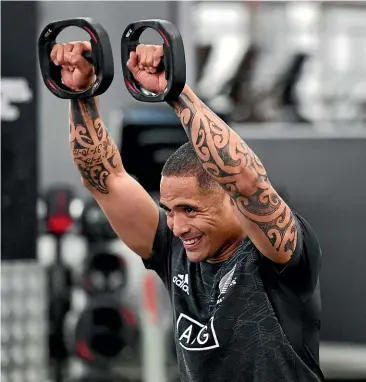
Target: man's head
<point>199,211</point>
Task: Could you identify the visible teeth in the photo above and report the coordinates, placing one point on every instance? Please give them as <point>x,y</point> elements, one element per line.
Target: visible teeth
<point>191,241</point>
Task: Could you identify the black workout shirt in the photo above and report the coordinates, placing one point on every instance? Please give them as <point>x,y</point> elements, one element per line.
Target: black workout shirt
<point>246,319</point>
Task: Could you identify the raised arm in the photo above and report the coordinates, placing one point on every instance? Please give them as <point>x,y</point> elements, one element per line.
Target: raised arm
<point>267,219</point>
<point>130,210</point>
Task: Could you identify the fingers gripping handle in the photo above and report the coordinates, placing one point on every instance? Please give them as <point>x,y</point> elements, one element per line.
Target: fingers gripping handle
<point>173,62</point>
<point>101,57</point>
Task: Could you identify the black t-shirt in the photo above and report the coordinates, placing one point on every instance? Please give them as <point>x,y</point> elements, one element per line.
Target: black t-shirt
<point>246,319</point>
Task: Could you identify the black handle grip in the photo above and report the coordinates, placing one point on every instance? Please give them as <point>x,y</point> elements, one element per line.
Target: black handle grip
<point>173,61</point>
<point>101,57</point>
<point>89,57</point>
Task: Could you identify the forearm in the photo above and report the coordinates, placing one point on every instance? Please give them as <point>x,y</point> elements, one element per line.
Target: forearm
<point>222,152</point>
<point>230,161</point>
<point>94,152</point>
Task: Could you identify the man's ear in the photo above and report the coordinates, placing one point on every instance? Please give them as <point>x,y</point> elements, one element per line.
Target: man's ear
<point>228,200</point>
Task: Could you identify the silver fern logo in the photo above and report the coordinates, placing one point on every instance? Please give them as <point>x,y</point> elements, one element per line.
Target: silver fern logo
<point>225,283</point>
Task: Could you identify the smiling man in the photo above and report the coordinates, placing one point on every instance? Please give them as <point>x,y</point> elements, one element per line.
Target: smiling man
<point>198,211</point>
<point>241,267</point>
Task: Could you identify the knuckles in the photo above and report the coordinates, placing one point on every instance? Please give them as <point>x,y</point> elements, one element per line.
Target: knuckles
<point>149,56</point>
<point>70,52</point>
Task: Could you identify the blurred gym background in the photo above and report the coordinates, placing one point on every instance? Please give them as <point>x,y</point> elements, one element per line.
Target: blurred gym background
<point>289,77</point>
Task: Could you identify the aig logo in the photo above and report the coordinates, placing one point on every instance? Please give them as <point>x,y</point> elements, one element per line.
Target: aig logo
<point>194,336</point>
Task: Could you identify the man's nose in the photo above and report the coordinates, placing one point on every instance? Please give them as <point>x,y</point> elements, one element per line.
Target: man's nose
<point>180,226</point>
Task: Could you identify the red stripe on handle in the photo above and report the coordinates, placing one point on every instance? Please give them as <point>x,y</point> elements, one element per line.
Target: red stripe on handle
<point>91,34</point>
<point>133,89</point>
<point>52,85</point>
<point>164,37</point>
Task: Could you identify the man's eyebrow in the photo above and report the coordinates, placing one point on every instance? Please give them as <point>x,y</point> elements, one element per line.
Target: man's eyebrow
<point>163,206</point>
<point>181,205</point>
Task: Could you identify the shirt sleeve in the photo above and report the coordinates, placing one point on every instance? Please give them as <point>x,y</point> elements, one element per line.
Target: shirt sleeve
<point>161,251</point>
<point>302,271</point>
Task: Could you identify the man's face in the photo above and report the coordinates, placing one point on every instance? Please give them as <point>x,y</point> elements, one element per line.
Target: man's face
<point>204,221</point>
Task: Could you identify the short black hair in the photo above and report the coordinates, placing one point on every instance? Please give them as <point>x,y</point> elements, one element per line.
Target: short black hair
<point>185,163</point>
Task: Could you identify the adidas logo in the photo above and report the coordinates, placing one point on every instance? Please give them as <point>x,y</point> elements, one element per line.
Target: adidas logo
<point>182,282</point>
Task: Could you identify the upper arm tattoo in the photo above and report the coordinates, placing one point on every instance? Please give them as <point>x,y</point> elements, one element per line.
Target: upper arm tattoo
<point>94,151</point>
<point>230,161</point>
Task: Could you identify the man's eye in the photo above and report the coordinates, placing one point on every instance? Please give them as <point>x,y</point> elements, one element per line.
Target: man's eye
<point>188,209</point>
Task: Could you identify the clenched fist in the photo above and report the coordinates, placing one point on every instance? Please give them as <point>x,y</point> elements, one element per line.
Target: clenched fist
<point>76,72</point>
<point>143,64</point>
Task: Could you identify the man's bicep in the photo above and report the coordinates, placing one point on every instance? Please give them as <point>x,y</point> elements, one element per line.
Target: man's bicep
<point>131,212</point>
<point>302,271</point>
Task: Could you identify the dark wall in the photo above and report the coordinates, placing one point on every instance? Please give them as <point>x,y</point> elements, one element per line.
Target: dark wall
<point>18,129</point>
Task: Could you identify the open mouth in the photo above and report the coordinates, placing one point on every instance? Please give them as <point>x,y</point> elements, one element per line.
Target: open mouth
<point>192,243</point>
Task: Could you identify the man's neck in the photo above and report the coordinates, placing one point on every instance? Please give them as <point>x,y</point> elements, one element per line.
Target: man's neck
<point>226,252</point>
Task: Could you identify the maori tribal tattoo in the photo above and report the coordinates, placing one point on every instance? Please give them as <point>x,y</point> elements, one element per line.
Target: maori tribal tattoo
<point>230,161</point>
<point>94,152</point>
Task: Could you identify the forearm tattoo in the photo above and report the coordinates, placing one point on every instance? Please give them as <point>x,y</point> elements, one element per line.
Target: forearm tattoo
<point>94,152</point>
<point>230,161</point>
